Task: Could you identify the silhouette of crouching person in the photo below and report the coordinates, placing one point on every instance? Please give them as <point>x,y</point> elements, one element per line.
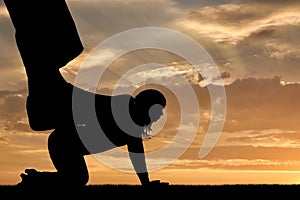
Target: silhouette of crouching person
<point>67,150</point>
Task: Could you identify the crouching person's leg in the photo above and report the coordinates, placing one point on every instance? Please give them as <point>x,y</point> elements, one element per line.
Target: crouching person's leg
<point>66,153</point>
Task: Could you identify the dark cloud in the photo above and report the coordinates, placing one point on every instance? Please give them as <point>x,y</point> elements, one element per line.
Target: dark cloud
<point>224,75</point>
<point>229,15</point>
<point>12,73</point>
<point>265,32</point>
<point>270,51</point>
<point>3,139</point>
<point>7,93</point>
<point>13,114</point>
<point>17,127</point>
<point>8,55</point>
<point>257,39</point>
<point>191,4</point>
<point>13,111</point>
<point>13,106</point>
<point>273,2</point>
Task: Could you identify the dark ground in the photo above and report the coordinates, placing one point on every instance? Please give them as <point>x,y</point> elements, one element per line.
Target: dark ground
<point>288,191</point>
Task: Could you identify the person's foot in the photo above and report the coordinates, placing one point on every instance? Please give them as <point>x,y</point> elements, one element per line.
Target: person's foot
<point>24,178</point>
<point>31,172</point>
<point>28,179</point>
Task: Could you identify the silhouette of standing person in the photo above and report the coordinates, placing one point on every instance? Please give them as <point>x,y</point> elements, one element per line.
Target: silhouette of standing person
<point>47,40</point>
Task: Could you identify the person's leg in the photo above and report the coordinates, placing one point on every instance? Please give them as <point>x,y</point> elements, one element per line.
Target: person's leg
<point>67,155</point>
<point>34,180</point>
<point>49,100</point>
<point>45,32</point>
<point>46,42</point>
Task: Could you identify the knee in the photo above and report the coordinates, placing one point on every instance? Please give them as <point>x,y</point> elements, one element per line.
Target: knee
<point>85,180</point>
<point>40,117</point>
<point>52,140</point>
<point>37,123</point>
<point>78,181</point>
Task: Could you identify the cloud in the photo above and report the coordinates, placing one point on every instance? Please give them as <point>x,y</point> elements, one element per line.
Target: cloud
<point>259,112</point>
<point>262,138</point>
<point>13,105</point>
<point>252,103</point>
<point>13,112</point>
<point>273,2</point>
<point>97,20</point>
<point>191,4</point>
<point>248,38</point>
<point>249,152</point>
<point>120,1</point>
<point>262,103</point>
<point>229,157</point>
<point>237,164</point>
<point>11,67</point>
<point>223,75</point>
<point>3,11</point>
<point>233,23</point>
<point>3,139</point>
<point>18,126</point>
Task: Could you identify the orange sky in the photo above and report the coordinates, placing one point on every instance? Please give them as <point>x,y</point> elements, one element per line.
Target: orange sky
<point>253,44</point>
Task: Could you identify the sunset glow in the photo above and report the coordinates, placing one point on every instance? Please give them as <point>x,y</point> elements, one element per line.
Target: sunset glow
<point>254,45</point>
